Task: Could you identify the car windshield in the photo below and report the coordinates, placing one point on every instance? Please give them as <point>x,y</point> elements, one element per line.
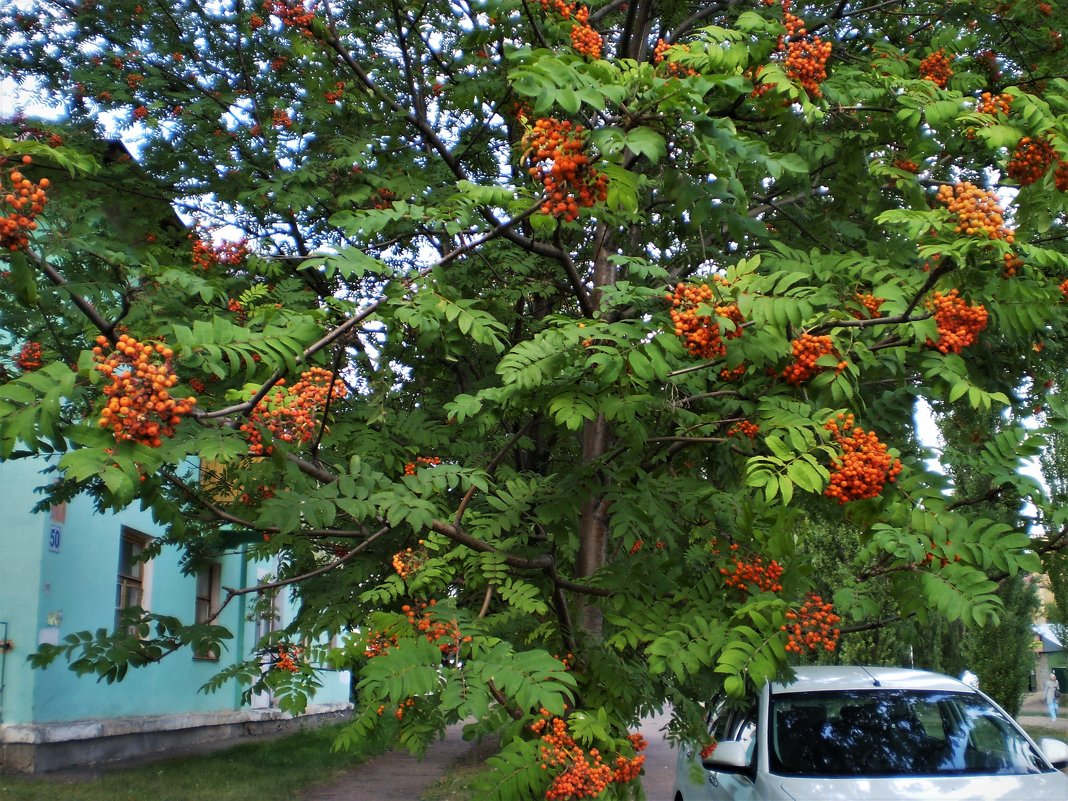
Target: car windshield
<point>893,733</point>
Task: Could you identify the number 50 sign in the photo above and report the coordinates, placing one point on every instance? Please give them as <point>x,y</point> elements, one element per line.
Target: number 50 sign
<point>55,536</point>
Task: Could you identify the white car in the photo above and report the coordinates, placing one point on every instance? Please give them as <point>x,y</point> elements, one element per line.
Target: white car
<point>870,733</point>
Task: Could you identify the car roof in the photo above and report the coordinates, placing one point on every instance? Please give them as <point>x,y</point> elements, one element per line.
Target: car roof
<point>825,678</point>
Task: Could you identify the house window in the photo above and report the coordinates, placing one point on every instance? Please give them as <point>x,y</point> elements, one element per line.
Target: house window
<point>132,578</point>
<point>209,580</point>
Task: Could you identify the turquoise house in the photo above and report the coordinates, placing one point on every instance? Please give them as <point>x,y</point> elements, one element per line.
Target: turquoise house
<point>73,569</point>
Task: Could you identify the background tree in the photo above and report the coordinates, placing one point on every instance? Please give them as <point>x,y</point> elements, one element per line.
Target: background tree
<point>524,335</point>
<point>999,654</point>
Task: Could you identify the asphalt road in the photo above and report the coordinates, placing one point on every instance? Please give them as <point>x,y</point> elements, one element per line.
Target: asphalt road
<point>659,777</point>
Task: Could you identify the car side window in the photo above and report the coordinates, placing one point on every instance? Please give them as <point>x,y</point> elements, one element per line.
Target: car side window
<point>736,725</point>
<point>719,720</point>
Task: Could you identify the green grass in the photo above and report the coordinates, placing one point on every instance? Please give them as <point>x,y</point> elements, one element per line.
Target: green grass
<point>276,768</point>
<point>1038,732</point>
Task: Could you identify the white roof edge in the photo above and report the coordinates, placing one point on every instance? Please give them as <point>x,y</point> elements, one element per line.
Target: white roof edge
<point>1047,632</point>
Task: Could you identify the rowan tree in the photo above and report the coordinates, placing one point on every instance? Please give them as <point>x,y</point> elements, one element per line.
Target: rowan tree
<point>517,331</point>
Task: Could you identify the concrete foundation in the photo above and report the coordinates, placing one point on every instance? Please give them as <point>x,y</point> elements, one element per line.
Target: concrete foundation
<point>47,747</point>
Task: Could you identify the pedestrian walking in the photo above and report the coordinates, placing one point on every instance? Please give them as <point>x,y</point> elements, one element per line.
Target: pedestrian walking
<point>1050,692</point>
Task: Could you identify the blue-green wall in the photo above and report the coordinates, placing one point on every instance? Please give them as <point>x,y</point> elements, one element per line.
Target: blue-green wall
<point>77,584</point>
<point>21,542</point>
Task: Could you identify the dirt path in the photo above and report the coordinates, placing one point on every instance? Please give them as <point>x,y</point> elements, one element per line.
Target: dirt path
<point>397,775</point>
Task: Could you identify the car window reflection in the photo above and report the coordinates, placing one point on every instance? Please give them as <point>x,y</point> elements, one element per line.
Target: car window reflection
<point>886,733</point>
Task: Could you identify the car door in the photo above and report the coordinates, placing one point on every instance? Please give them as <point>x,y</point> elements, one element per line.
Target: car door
<point>699,783</point>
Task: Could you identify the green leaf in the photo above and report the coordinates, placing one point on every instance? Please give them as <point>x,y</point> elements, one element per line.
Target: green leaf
<point>644,141</point>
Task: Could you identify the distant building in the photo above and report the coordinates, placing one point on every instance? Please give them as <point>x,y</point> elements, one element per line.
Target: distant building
<point>1050,654</point>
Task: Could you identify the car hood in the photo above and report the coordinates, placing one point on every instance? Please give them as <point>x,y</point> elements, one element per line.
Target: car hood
<point>1034,787</point>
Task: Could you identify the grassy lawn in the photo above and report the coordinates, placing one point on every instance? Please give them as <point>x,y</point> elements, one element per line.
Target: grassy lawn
<point>1038,732</point>
<point>276,768</point>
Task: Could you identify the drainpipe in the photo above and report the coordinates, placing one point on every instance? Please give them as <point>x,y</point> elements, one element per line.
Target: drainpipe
<point>4,647</point>
<point>239,643</point>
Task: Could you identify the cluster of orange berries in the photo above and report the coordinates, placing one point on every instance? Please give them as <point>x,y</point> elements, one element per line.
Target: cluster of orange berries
<point>335,94</point>
<point>908,165</point>
<point>701,333</point>
<point>421,461</point>
<point>1030,160</point>
<point>584,774</point>
<point>744,428</point>
<point>288,656</point>
<point>290,413</point>
<point>401,709</point>
<point>936,68</point>
<point>958,323</point>
<point>377,643</point>
<point>293,14</point>
<point>930,556</point>
<point>262,493</point>
<point>1060,175</point>
<point>557,153</point>
<point>795,26</point>
<point>29,357</point>
<point>806,63</point>
<point>24,200</point>
<point>584,39</point>
<point>256,22</point>
<point>994,104</point>
<point>675,70</point>
<point>978,211</point>
<point>807,350</point>
<point>383,198</point>
<point>732,374</point>
<point>139,407</point>
<point>752,572</point>
<point>870,303</point>
<point>238,308</point>
<point>280,118</point>
<point>805,59</point>
<point>207,254</point>
<point>812,627</point>
<point>863,467</point>
<point>407,562</point>
<point>1012,264</point>
<point>639,544</point>
<point>445,634</point>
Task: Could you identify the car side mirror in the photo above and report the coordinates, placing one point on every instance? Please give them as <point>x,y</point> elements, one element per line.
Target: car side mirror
<point>730,754</point>
<point>1055,751</point>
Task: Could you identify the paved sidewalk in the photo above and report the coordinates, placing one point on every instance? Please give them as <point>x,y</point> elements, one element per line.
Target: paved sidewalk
<point>1033,712</point>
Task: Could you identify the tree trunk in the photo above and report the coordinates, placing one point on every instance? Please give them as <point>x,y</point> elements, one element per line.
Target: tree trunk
<point>596,437</point>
